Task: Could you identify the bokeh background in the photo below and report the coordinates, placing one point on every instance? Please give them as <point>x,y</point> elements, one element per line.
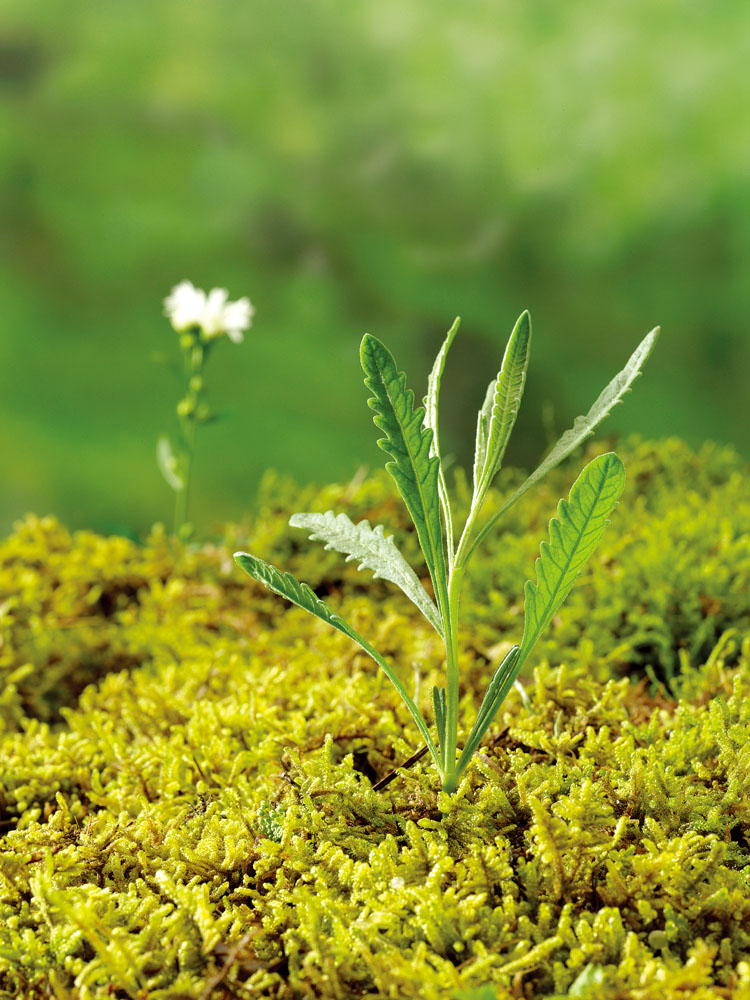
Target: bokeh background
<point>375,166</point>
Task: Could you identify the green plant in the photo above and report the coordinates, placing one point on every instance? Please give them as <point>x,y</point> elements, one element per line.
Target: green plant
<point>200,320</point>
<point>412,441</point>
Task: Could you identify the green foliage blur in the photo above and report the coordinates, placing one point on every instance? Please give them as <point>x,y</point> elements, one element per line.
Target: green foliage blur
<point>378,166</point>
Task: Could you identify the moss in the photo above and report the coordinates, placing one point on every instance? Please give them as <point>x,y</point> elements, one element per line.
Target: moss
<point>187,764</point>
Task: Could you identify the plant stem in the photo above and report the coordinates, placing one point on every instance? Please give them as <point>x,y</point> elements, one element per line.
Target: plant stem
<point>459,561</point>
<point>450,777</point>
<point>188,415</point>
<point>181,497</point>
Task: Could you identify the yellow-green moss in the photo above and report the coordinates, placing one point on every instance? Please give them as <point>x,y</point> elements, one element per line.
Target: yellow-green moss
<point>200,821</point>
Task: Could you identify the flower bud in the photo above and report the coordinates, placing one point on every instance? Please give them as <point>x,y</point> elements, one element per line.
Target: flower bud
<point>185,407</point>
<point>196,383</point>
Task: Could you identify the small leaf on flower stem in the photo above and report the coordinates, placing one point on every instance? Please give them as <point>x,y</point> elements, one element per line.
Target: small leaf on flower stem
<point>206,416</point>
<point>168,464</point>
<point>285,585</point>
<point>374,550</point>
<point>408,443</point>
<point>161,358</point>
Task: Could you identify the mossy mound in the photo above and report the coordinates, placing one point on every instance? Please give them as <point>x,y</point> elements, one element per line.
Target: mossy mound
<point>186,764</point>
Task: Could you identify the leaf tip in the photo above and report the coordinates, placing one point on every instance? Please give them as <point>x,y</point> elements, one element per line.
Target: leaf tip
<point>368,350</point>
<point>614,466</point>
<point>522,330</point>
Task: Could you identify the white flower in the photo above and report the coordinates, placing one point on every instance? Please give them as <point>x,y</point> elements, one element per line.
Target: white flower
<point>238,316</point>
<point>188,306</point>
<point>212,317</point>
<point>184,306</point>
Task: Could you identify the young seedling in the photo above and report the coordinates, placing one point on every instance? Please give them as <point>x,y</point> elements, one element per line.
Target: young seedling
<point>412,442</point>
<point>201,320</point>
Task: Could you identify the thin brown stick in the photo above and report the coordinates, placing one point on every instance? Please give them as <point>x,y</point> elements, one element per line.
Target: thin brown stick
<point>380,785</point>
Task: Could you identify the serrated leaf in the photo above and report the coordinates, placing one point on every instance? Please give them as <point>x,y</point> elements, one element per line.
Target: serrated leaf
<point>573,536</point>
<point>408,442</point>
<point>506,393</point>
<point>168,465</point>
<point>583,426</point>
<point>605,402</point>
<point>285,585</point>
<point>374,550</point>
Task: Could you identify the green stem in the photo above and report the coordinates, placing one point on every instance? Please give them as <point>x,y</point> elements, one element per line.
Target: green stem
<point>459,562</point>
<point>450,777</point>
<point>181,497</point>
<point>194,358</point>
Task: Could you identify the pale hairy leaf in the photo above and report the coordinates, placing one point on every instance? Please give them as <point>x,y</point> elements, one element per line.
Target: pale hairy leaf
<point>583,426</point>
<point>431,421</point>
<point>433,387</point>
<point>168,466</point>
<point>483,426</point>
<point>573,536</point>
<point>285,585</point>
<point>408,442</point>
<point>373,550</point>
<point>506,399</point>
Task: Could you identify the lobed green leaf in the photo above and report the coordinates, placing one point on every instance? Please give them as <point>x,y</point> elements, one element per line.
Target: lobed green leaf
<point>414,470</point>
<point>573,536</point>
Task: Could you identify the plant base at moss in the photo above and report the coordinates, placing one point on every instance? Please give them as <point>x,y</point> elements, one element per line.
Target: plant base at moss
<point>199,821</point>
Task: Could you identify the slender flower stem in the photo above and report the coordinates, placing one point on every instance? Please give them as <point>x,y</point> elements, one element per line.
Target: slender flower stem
<point>199,319</point>
<point>181,496</point>
<point>189,415</point>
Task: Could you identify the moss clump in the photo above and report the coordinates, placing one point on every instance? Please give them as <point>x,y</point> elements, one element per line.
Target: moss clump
<point>201,822</point>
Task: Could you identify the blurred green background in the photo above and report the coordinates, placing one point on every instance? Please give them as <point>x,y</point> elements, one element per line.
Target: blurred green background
<point>372,166</point>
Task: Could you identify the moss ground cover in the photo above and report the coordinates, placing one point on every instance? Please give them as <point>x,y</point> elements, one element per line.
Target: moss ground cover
<point>187,765</point>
